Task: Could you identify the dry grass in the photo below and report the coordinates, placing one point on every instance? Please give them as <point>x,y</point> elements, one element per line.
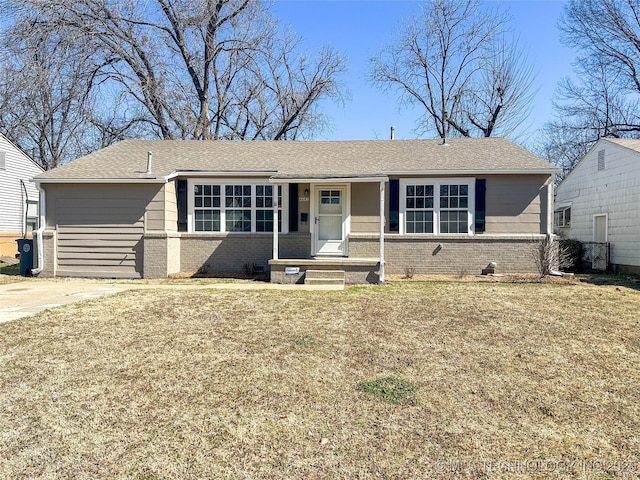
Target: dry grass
<point>506,381</point>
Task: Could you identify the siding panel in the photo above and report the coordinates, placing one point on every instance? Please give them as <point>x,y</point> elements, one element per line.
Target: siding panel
<point>100,237</point>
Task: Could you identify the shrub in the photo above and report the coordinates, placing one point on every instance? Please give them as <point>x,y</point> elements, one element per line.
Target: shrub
<point>574,252</point>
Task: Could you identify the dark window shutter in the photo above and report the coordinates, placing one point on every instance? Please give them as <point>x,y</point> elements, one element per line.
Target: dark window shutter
<point>394,205</point>
<point>481,188</point>
<point>181,199</point>
<point>293,207</point>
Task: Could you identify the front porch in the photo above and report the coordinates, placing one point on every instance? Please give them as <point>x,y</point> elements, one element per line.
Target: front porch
<point>353,270</point>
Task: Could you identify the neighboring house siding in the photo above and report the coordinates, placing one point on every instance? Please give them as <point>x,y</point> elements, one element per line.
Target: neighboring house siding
<point>613,191</point>
<point>14,167</point>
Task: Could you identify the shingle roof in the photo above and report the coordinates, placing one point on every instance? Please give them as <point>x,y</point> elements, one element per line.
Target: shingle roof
<point>633,144</point>
<point>128,159</point>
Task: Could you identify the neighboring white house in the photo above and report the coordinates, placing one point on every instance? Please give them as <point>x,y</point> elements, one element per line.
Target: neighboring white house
<point>18,196</point>
<point>599,201</point>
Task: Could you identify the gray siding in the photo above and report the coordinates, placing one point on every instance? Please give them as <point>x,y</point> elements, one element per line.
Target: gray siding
<point>516,204</point>
<point>99,228</point>
<point>365,207</point>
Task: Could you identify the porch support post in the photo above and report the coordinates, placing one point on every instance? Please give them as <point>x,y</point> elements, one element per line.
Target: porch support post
<point>275,221</point>
<point>382,222</point>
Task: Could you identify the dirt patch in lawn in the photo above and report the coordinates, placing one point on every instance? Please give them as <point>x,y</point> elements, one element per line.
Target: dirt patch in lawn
<point>408,380</point>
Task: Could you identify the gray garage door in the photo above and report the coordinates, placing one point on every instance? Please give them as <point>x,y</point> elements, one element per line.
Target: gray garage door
<point>100,237</point>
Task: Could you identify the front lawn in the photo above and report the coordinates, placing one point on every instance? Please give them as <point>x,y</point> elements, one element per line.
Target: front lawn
<point>409,380</point>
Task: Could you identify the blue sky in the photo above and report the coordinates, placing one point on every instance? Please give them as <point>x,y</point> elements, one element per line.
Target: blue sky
<point>358,28</point>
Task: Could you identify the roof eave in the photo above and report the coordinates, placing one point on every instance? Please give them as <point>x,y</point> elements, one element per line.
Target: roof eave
<point>328,178</point>
<point>506,171</point>
<point>221,173</point>
<point>155,180</point>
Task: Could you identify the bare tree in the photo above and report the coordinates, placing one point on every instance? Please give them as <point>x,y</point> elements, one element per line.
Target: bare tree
<point>198,68</point>
<point>608,34</point>
<point>604,100</point>
<point>450,61</point>
<point>500,97</point>
<point>45,92</point>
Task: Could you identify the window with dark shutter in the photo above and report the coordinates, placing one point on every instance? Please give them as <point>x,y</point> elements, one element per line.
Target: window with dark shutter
<point>293,207</point>
<point>481,187</point>
<point>394,205</point>
<point>181,199</point>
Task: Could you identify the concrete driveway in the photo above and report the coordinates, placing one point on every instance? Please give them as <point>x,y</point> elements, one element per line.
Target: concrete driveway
<point>31,296</point>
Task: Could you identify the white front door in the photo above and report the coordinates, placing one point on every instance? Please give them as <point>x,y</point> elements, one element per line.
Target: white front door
<point>330,232</point>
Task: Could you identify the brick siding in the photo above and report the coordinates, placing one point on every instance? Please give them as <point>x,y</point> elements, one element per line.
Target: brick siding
<point>449,255</point>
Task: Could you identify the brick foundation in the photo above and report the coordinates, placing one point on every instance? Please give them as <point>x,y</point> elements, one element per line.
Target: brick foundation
<point>449,255</point>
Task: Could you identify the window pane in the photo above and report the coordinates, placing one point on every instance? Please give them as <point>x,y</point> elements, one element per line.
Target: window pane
<point>238,220</point>
<point>264,221</point>
<point>207,190</point>
<point>207,220</point>
<point>444,190</point>
<point>198,201</point>
<point>454,221</point>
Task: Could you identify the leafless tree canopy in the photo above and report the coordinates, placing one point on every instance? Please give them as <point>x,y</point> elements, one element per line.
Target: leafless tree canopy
<point>172,69</point>
<point>453,61</point>
<point>604,101</point>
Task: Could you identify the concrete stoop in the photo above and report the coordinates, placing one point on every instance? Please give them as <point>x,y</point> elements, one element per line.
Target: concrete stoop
<point>324,277</point>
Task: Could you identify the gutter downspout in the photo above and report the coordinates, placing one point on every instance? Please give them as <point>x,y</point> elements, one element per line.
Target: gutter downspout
<point>550,208</point>
<point>275,222</point>
<point>382,222</point>
<point>42,224</point>
<point>25,205</point>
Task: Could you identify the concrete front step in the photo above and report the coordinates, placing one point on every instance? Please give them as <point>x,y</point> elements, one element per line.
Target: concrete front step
<point>324,277</point>
<point>324,281</point>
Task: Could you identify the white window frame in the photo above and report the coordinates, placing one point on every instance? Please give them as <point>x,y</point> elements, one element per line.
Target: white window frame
<point>32,216</point>
<point>561,211</point>
<point>283,213</point>
<point>437,183</point>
